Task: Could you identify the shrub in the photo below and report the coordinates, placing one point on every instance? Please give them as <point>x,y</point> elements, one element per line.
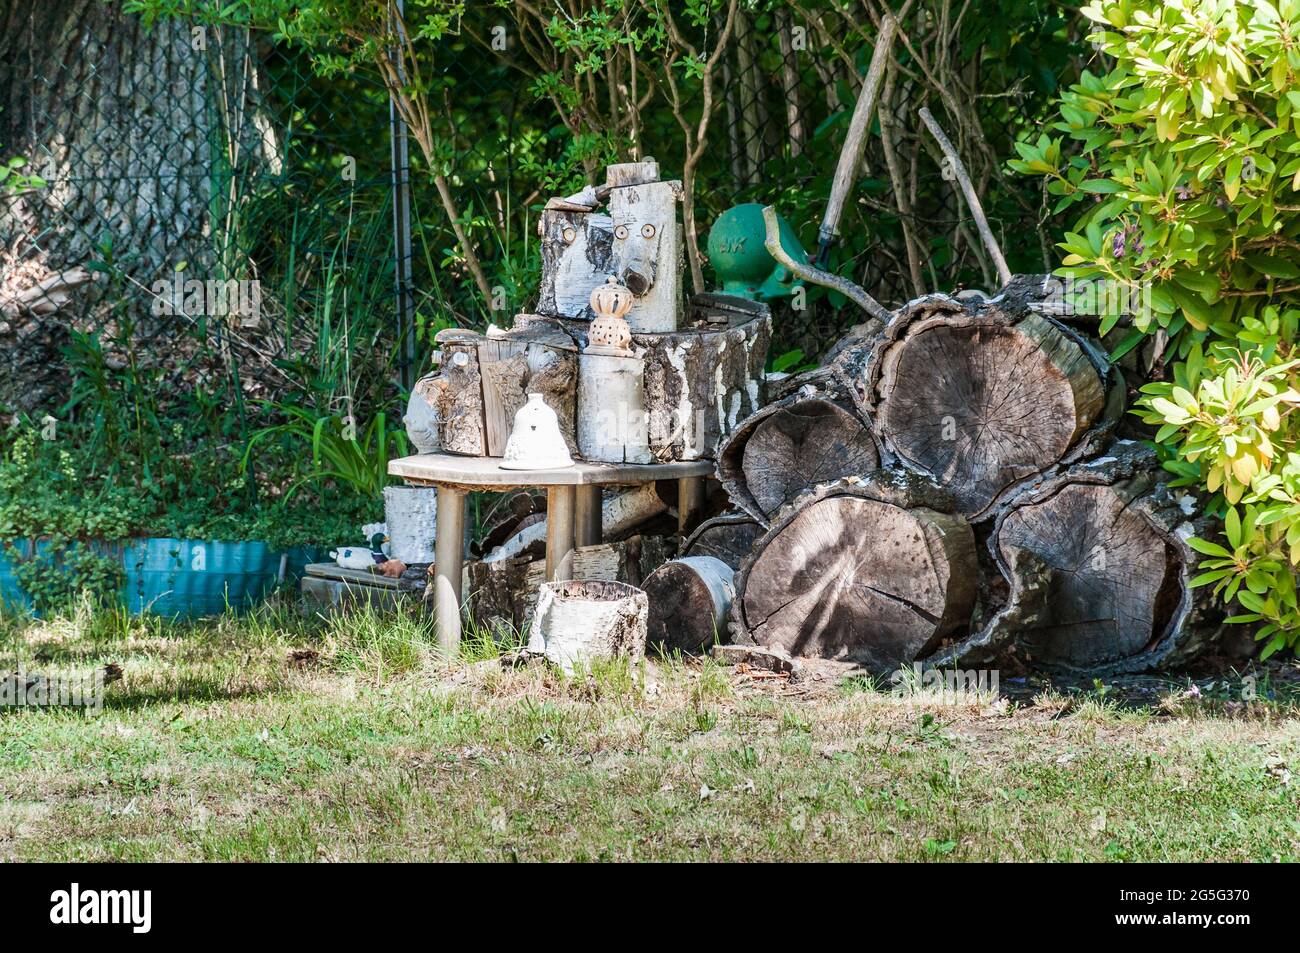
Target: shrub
<point>1184,163</point>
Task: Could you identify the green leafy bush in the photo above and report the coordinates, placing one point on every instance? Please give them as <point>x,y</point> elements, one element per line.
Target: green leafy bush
<point>1184,162</point>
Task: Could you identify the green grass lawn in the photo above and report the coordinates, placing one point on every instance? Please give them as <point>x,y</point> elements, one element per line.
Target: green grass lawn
<point>274,738</point>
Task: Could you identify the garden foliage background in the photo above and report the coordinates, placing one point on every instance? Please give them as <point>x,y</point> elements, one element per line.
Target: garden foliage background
<point>165,148</point>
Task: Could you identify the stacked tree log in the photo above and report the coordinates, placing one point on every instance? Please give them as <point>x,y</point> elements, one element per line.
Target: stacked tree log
<point>960,422</point>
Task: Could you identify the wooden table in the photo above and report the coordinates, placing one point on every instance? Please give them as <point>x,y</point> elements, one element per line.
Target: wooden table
<point>573,515</point>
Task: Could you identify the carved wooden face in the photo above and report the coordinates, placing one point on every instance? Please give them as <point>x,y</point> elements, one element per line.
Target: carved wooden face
<point>642,216</point>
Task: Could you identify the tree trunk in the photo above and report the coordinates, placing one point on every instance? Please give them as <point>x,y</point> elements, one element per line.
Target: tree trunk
<point>790,446</point>
<point>690,599</point>
<point>979,398</point>
<point>122,122</point>
<point>876,570</point>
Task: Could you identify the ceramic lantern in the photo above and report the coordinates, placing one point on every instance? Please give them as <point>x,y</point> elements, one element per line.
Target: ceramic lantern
<point>535,440</point>
<point>608,332</point>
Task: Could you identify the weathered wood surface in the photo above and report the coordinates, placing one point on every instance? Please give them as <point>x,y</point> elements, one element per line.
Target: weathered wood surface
<point>457,395</point>
<point>503,593</point>
<point>648,252</point>
<point>613,426</point>
<point>579,621</point>
<point>729,537</point>
<point>699,382</point>
<point>979,398</point>
<point>690,599</point>
<point>577,256</point>
<point>1111,537</point>
<point>876,570</point>
<point>512,366</point>
<point>809,437</point>
<point>484,473</point>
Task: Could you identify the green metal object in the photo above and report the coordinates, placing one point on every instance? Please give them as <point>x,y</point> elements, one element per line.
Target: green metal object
<point>742,264</point>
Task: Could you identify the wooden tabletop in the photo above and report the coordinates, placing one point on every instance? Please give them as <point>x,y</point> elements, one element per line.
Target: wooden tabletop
<point>450,469</point>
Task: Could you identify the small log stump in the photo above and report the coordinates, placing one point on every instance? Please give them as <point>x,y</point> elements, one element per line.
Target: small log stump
<point>581,620</point>
<point>807,438</point>
<point>979,398</point>
<point>876,570</point>
<point>503,592</point>
<point>459,395</point>
<point>690,599</point>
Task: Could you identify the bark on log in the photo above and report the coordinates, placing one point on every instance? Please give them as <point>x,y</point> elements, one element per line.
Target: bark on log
<point>1109,539</point>
<point>729,537</point>
<point>458,395</point>
<point>979,398</point>
<point>787,447</point>
<point>576,258</point>
<point>876,570</point>
<point>690,600</point>
<point>503,593</point>
<point>648,252</point>
<point>612,422</point>
<point>512,366</point>
<point>579,621</point>
<point>699,382</point>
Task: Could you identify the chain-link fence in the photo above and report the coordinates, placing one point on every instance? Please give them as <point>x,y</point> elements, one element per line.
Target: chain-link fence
<point>218,220</point>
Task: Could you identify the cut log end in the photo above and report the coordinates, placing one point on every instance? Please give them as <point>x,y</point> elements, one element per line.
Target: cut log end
<point>791,446</point>
<point>847,576</point>
<point>1116,580</point>
<point>981,406</point>
<point>802,445</point>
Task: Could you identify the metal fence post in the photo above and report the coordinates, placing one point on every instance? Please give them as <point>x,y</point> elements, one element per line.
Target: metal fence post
<point>402,279</point>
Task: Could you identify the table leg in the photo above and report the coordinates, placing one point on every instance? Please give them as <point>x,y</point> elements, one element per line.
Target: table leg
<point>690,502</point>
<point>588,530</point>
<point>560,504</point>
<point>448,561</point>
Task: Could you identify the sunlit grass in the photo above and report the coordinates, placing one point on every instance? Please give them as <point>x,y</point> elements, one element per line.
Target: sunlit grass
<point>278,736</point>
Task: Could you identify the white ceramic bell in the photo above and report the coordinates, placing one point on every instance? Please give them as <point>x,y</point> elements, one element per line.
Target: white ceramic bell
<point>535,440</point>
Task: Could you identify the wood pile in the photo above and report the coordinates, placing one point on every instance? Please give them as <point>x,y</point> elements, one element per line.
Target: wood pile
<point>949,489</point>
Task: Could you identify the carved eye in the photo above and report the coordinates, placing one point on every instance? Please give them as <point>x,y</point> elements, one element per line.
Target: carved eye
<point>620,232</point>
<point>647,231</point>
<point>570,236</point>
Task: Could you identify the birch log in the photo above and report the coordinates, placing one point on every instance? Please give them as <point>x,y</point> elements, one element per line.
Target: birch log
<point>576,258</point>
<point>648,252</point>
<point>579,621</point>
<point>689,599</point>
<point>612,421</point>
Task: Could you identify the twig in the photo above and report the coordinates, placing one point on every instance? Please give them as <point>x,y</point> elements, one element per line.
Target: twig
<point>972,200</point>
<point>816,276</point>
